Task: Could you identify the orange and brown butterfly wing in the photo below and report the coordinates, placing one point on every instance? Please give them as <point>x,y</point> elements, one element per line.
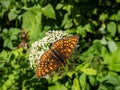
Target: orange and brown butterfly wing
<point>57,49</point>
<point>69,44</point>
<point>48,63</point>
<point>64,47</point>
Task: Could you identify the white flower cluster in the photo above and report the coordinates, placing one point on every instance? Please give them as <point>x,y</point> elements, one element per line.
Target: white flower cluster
<point>42,45</point>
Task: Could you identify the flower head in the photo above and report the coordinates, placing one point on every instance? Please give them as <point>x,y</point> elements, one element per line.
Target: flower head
<point>42,45</point>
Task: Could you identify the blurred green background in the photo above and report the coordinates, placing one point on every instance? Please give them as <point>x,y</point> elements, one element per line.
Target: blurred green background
<point>97,22</point>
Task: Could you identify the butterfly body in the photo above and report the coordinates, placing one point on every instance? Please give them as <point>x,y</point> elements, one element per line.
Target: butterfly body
<point>56,56</point>
<point>60,59</point>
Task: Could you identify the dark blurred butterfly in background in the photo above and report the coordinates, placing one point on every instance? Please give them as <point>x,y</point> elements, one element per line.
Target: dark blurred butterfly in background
<point>56,56</point>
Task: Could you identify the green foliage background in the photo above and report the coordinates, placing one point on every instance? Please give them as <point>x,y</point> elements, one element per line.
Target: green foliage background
<point>97,22</point>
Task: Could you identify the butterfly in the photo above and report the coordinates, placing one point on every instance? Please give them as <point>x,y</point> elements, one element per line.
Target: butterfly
<point>56,56</point>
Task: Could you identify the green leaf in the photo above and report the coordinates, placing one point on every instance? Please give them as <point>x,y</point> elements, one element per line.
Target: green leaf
<point>83,82</point>
<point>113,60</point>
<point>89,71</point>
<point>117,16</point>
<point>8,83</point>
<point>75,85</point>
<point>10,44</point>
<point>57,86</point>
<point>92,80</point>
<point>85,66</point>
<point>55,78</point>
<point>59,6</point>
<point>115,67</point>
<point>103,41</point>
<point>119,28</point>
<point>13,37</point>
<point>70,73</point>
<point>5,3</point>
<point>102,87</point>
<point>9,35</point>
<point>102,29</point>
<point>103,17</point>
<point>5,31</point>
<point>88,28</point>
<point>112,79</point>
<point>118,1</point>
<point>4,55</point>
<point>78,68</point>
<point>68,8</point>
<point>81,31</point>
<point>117,87</point>
<point>32,22</point>
<point>6,42</point>
<point>67,22</point>
<point>111,28</point>
<point>48,11</point>
<point>112,46</point>
<point>14,31</point>
<point>12,14</point>
<point>70,31</point>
